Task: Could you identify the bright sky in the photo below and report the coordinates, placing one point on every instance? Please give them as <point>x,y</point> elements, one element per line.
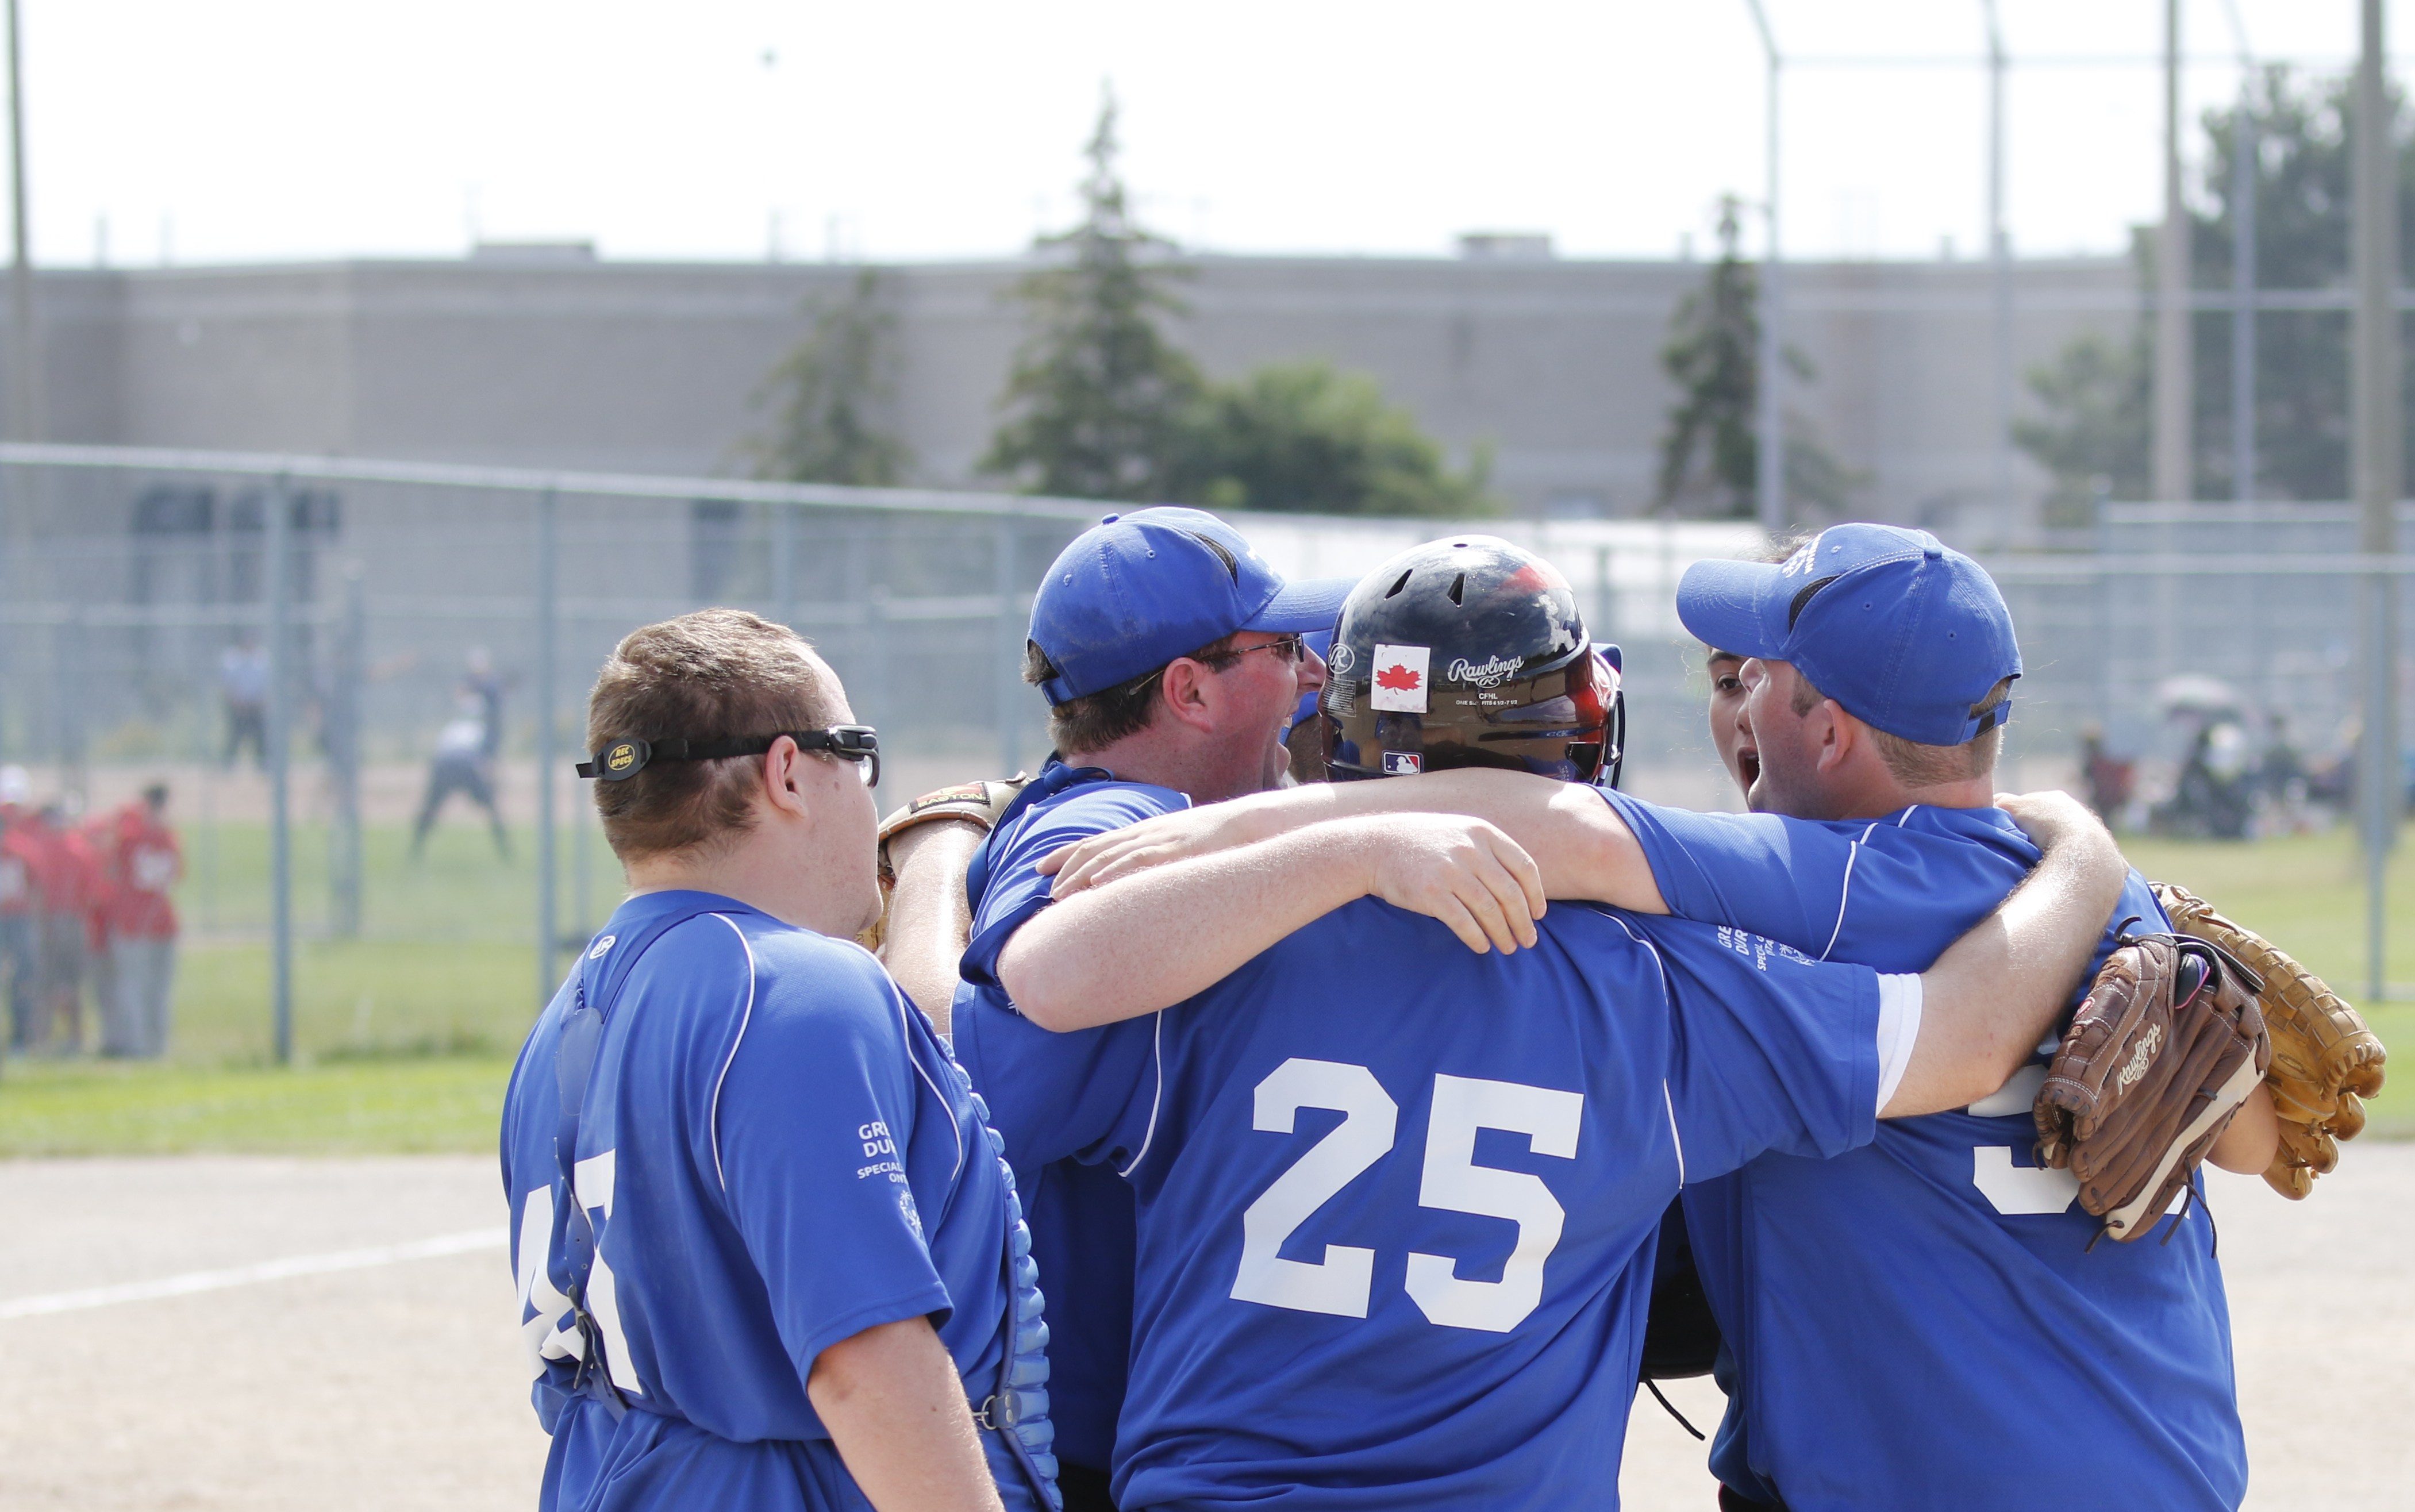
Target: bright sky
<point>249,129</point>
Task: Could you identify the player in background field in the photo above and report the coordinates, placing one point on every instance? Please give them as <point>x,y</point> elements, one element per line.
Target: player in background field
<point>20,904</point>
<point>768,1255</point>
<point>1171,658</point>
<point>243,688</point>
<point>144,863</point>
<point>1877,1304</point>
<point>1437,1300</point>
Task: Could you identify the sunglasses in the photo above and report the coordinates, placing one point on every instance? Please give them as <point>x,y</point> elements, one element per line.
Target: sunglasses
<point>1289,649</point>
<point>622,759</point>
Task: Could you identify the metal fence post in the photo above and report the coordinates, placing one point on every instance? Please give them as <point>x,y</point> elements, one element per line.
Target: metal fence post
<point>547,614</point>
<point>343,744</point>
<point>1007,636</point>
<point>280,719</point>
<point>784,563</point>
<point>873,705</point>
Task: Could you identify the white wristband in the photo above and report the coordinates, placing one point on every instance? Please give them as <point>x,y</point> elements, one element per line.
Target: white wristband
<point>1898,1027</point>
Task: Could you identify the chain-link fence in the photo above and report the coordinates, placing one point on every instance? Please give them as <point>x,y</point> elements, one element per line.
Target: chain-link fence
<point>368,751</point>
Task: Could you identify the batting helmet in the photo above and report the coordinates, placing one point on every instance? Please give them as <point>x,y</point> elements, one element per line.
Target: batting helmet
<point>1469,652</point>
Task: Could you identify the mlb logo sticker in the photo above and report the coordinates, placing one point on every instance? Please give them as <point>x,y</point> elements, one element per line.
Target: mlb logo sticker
<point>1402,763</point>
<point>1400,678</point>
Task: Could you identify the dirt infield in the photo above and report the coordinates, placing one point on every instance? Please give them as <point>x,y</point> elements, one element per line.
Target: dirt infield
<point>380,1375</point>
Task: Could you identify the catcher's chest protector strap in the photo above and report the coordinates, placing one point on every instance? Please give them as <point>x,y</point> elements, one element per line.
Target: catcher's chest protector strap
<point>595,989</point>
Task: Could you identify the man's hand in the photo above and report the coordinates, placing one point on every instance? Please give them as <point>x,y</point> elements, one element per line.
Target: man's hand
<point>1462,871</point>
<point>2049,818</point>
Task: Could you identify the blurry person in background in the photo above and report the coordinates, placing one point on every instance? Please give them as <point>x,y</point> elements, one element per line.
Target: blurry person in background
<point>463,763</point>
<point>62,870</point>
<point>2110,780</point>
<point>146,863</point>
<point>95,837</point>
<point>242,683</point>
<point>480,680</point>
<point>20,953</point>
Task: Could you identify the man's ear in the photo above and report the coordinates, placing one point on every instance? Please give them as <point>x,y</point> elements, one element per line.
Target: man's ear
<point>1190,694</point>
<point>781,778</point>
<point>1838,734</point>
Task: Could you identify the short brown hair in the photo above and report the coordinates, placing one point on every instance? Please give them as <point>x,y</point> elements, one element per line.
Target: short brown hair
<point>716,674</point>
<point>1915,764</point>
<point>1098,720</point>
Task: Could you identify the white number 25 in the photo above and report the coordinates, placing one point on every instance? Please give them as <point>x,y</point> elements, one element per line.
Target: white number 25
<point>1343,1281</point>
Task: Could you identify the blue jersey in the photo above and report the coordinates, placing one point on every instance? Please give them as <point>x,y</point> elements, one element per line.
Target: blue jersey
<point>1081,1215</point>
<point>1398,1200</point>
<point>776,1154</point>
<point>1938,1278</point>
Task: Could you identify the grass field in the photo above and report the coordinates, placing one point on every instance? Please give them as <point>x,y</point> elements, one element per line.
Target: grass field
<point>403,1036</point>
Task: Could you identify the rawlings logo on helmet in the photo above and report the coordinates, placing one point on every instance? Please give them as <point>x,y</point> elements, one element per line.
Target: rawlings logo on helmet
<point>1489,673</point>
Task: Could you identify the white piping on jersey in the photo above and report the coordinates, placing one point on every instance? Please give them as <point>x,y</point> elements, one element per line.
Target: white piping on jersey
<point>1845,889</point>
<point>1157,1096</point>
<point>897,996</point>
<point>1670,1104</point>
<point>714,1122</point>
<point>1677,1140</point>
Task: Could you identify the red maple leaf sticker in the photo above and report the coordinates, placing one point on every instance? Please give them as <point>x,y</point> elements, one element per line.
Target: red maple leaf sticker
<point>1398,678</point>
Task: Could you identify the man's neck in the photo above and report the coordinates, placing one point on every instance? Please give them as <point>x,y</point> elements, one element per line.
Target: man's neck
<point>1148,757</point>
<point>729,873</point>
<point>1879,797</point>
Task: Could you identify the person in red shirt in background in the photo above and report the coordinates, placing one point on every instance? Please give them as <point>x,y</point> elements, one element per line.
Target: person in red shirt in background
<point>98,835</point>
<point>20,953</point>
<point>144,864</point>
<point>65,877</point>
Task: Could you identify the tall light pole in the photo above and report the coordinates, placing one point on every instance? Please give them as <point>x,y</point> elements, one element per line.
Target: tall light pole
<point>2377,421</point>
<point>2173,447</point>
<point>25,369</point>
<point>1769,475</point>
<point>2243,270</point>
<point>2000,274</point>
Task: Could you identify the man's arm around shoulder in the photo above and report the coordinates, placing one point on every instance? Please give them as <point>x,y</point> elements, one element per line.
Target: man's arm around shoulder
<point>2001,989</point>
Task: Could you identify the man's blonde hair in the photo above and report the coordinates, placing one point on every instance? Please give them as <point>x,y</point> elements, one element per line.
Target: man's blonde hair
<point>1915,764</point>
<point>713,675</point>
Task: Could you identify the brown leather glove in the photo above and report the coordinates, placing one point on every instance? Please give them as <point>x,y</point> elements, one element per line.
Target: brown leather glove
<point>2325,1060</point>
<point>2166,1047</point>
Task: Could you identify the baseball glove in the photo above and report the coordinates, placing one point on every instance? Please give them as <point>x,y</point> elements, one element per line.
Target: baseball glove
<point>2325,1061</point>
<point>2167,1046</point>
<point>978,802</point>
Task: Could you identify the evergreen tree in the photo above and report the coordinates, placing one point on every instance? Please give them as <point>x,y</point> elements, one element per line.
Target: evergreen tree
<point>2095,415</point>
<point>1302,436</point>
<point>1097,400</point>
<point>1713,356</point>
<point>832,389</point>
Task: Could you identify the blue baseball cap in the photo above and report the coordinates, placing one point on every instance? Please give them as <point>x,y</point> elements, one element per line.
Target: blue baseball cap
<point>1137,591</point>
<point>1910,636</point>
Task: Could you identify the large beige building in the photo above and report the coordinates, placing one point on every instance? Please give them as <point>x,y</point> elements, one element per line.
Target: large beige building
<point>550,357</point>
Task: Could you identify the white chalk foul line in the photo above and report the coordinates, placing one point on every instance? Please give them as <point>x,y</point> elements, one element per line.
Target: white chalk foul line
<point>266,1270</point>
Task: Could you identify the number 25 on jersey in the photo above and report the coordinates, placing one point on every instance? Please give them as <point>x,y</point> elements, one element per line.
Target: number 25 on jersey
<point>1343,1281</point>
